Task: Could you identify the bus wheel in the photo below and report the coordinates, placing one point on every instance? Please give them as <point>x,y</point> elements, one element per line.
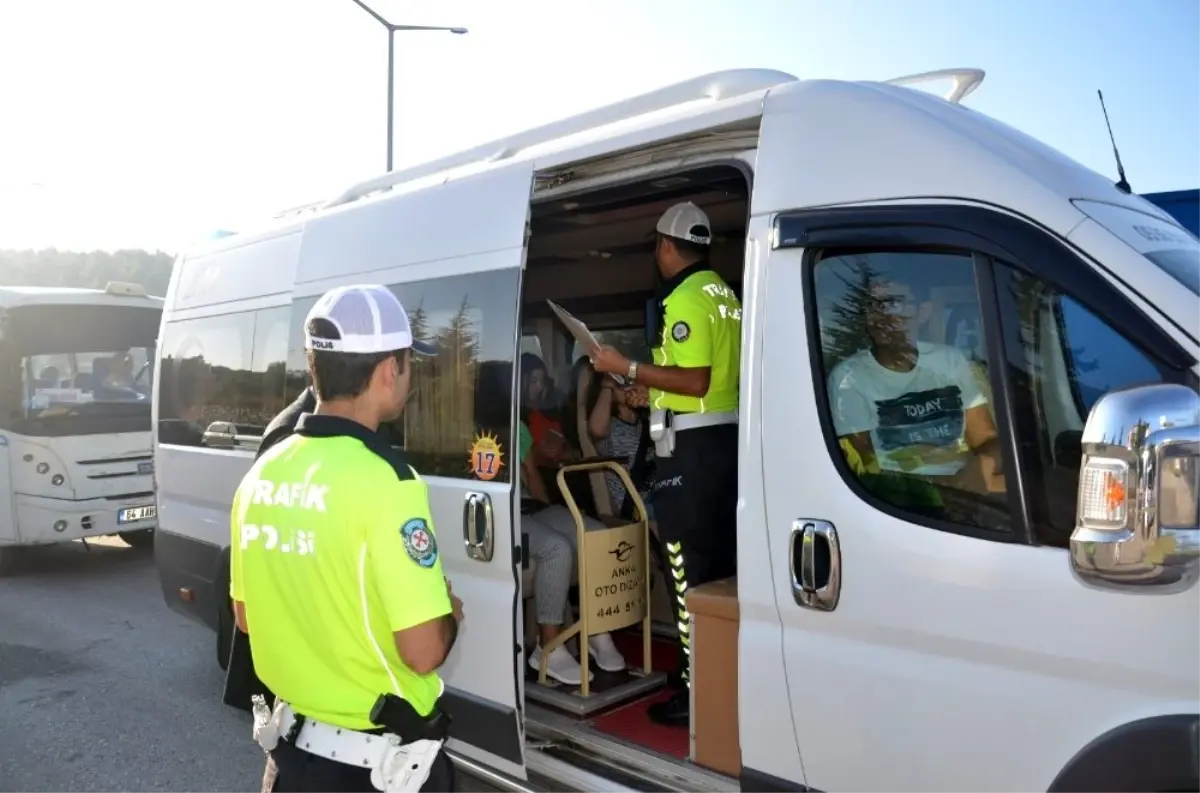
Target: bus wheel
<point>142,538</point>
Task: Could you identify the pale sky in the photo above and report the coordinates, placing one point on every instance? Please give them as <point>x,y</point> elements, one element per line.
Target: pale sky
<point>152,123</point>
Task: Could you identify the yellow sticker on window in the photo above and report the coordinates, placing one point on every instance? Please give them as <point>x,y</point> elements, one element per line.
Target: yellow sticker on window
<point>487,457</point>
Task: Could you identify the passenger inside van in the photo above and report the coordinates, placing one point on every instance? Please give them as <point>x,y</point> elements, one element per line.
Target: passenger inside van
<point>538,411</point>
<point>619,431</point>
<point>551,532</point>
<point>913,416</point>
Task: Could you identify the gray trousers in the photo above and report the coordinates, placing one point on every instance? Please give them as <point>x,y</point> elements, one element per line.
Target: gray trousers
<point>552,542</point>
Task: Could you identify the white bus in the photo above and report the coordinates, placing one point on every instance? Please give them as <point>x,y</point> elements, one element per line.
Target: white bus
<point>938,624</point>
<point>76,377</point>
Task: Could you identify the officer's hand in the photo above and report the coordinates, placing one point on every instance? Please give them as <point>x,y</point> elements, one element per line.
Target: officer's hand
<point>606,359</point>
<point>456,606</point>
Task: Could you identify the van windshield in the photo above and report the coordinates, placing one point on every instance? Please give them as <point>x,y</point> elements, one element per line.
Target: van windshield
<point>1182,264</point>
<point>1171,248</point>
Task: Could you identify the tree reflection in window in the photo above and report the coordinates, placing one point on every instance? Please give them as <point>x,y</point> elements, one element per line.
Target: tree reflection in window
<point>466,389</point>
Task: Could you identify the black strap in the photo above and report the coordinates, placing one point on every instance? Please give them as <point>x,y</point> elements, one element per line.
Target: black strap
<point>639,472</point>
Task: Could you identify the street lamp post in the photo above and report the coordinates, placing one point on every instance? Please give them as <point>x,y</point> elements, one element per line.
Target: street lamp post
<point>391,64</point>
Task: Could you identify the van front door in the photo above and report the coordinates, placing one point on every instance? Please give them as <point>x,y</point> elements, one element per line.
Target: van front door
<point>454,254</point>
<point>925,372</point>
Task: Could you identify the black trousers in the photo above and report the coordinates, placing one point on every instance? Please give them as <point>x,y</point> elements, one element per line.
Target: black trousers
<point>292,770</point>
<point>695,506</point>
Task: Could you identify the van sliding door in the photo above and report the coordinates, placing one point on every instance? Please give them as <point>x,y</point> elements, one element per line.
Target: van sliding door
<point>454,254</point>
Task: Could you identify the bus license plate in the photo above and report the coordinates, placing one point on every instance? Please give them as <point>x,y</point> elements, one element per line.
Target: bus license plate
<point>136,513</point>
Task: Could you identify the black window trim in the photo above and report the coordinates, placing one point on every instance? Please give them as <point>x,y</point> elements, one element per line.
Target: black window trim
<point>972,231</point>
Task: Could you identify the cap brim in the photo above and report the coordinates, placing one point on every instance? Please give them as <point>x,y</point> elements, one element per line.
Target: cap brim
<point>424,348</point>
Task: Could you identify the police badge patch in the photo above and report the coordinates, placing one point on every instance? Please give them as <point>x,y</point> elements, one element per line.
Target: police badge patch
<point>419,542</point>
<point>680,331</point>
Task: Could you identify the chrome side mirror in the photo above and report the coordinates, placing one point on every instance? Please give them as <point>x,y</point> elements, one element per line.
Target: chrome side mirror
<point>1136,526</point>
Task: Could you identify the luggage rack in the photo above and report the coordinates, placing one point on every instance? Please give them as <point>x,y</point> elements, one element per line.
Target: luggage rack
<point>713,87</point>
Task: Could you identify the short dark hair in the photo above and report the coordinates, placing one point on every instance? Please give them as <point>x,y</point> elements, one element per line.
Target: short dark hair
<point>342,375</point>
<point>691,251</point>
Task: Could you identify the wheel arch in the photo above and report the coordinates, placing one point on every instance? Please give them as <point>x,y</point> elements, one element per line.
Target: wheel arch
<point>1160,753</point>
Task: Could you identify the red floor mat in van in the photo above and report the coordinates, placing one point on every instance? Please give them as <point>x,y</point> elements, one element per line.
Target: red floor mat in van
<point>632,723</point>
<point>663,654</point>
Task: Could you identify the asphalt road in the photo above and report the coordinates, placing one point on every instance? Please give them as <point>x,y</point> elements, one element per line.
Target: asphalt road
<point>102,687</point>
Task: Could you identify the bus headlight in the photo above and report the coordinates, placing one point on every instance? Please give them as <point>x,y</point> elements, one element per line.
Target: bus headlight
<point>60,526</point>
<point>56,480</point>
<point>43,467</point>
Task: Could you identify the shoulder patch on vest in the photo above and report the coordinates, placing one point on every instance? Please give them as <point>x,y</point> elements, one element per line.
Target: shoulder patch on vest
<point>419,542</point>
<point>680,331</point>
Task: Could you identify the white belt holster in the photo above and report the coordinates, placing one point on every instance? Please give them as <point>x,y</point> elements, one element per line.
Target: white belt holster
<point>665,423</point>
<point>396,767</point>
<point>662,432</point>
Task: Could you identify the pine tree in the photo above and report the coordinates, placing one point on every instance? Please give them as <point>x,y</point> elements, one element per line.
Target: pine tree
<point>845,331</point>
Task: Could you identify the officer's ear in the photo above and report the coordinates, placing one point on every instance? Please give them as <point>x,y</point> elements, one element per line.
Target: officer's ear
<point>395,367</point>
<point>384,375</point>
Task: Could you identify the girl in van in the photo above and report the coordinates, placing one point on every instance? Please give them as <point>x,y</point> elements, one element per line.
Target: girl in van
<point>551,531</point>
<point>549,442</point>
<point>619,430</point>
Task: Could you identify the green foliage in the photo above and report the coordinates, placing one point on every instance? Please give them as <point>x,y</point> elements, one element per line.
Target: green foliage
<point>92,270</point>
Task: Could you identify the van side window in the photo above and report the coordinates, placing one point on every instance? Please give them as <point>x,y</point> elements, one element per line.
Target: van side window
<point>1064,359</point>
<point>221,378</point>
<point>909,400</point>
<point>462,392</point>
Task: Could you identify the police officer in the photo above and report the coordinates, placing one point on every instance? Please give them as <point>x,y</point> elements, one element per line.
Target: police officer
<point>692,392</point>
<point>335,572</point>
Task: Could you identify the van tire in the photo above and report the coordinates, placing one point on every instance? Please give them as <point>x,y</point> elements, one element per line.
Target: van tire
<point>141,538</point>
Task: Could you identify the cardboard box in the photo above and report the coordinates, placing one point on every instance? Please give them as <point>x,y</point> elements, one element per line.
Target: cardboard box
<point>714,671</point>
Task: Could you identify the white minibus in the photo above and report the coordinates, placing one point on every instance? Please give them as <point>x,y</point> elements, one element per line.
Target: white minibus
<point>1017,613</point>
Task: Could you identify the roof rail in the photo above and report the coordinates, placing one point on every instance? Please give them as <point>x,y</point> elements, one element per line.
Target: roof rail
<point>298,210</point>
<point>965,81</point>
<point>715,87</point>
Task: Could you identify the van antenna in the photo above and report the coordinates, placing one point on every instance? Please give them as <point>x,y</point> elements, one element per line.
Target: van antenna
<point>1122,182</point>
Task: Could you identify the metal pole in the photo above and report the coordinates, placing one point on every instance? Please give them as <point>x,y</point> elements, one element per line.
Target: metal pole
<point>391,89</point>
<point>391,78</point>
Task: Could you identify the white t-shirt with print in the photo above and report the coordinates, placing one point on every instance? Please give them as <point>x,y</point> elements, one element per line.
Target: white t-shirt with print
<point>922,407</point>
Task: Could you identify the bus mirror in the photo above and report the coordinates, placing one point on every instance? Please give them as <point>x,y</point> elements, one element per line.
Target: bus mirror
<point>1136,525</point>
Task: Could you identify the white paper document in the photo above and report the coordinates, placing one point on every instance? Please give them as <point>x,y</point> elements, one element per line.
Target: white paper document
<point>581,333</point>
<point>576,328</point>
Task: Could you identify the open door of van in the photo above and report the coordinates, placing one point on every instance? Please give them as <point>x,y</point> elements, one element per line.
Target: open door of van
<point>454,253</point>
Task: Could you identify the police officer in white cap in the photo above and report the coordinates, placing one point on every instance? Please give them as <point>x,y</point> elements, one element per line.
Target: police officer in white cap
<point>692,392</point>
<point>335,572</point>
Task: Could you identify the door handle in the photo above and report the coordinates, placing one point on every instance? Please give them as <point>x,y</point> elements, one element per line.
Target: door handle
<point>478,527</point>
<point>815,564</point>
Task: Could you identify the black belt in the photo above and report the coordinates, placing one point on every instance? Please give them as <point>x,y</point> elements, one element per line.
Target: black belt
<point>397,717</point>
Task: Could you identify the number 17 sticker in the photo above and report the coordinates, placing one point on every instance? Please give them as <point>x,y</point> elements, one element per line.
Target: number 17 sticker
<point>487,458</point>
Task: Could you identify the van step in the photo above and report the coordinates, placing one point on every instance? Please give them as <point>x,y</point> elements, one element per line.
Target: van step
<point>568,764</point>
